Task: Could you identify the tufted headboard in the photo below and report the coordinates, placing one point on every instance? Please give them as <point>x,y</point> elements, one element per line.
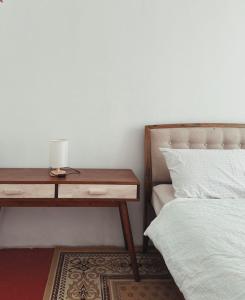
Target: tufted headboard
<point>184,136</point>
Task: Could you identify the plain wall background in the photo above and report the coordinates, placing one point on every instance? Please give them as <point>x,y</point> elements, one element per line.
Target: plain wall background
<point>95,72</point>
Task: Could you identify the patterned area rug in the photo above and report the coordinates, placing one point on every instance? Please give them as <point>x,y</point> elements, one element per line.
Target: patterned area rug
<point>77,274</point>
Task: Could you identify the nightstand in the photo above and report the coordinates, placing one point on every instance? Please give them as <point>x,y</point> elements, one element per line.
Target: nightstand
<point>91,188</point>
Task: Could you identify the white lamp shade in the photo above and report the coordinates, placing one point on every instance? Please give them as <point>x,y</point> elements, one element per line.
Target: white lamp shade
<point>58,153</point>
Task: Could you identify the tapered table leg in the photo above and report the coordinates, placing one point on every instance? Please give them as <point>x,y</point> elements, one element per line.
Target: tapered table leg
<point>129,238</point>
<point>123,230</point>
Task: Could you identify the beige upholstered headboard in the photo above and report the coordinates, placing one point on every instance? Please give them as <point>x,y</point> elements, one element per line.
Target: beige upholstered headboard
<point>184,136</point>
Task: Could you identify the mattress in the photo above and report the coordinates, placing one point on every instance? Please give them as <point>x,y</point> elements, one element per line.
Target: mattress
<point>161,194</point>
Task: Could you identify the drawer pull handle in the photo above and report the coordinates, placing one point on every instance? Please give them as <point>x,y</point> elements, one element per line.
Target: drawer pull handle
<point>13,192</point>
<point>97,191</point>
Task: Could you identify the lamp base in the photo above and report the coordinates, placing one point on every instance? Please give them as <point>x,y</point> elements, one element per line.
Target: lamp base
<point>58,172</point>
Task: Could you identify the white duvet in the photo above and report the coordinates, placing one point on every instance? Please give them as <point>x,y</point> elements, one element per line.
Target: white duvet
<point>203,244</point>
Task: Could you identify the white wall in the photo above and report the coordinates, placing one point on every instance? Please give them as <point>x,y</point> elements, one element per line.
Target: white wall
<point>96,72</point>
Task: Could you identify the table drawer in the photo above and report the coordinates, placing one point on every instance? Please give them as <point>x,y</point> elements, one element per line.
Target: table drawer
<point>97,191</point>
<point>26,191</point>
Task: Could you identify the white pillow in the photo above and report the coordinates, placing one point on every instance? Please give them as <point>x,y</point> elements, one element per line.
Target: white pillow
<point>206,173</point>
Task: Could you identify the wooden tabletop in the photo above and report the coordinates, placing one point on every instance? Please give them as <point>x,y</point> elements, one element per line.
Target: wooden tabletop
<point>93,176</point>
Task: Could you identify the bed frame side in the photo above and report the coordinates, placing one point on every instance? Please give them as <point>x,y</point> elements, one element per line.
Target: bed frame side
<point>147,183</point>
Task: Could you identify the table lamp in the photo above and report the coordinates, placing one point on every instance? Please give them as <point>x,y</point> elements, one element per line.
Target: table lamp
<point>58,157</point>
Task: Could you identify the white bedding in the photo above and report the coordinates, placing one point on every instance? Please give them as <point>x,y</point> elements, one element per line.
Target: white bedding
<point>203,244</point>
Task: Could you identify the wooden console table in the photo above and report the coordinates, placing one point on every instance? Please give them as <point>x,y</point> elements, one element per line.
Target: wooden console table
<point>91,188</point>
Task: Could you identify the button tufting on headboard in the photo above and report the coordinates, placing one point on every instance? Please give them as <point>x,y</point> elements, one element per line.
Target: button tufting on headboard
<point>193,137</point>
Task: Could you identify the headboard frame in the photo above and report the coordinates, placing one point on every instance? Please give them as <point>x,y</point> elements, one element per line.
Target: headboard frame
<point>184,136</point>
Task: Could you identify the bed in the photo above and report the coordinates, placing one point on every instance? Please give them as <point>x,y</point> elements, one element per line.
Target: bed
<point>201,240</point>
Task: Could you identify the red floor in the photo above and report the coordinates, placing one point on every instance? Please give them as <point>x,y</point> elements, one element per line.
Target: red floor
<point>23,273</point>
